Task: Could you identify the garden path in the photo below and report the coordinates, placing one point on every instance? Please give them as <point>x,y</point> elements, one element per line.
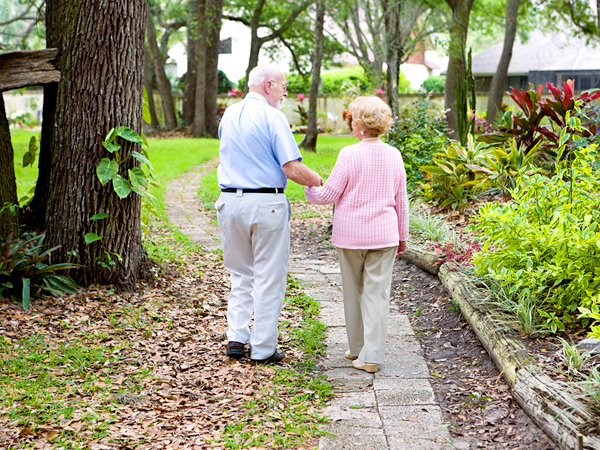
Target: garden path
<point>392,409</point>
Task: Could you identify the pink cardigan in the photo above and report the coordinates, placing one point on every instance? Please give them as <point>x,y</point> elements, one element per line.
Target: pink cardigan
<point>368,187</point>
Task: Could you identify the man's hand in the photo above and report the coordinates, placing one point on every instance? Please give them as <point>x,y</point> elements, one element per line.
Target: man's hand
<point>301,174</point>
<point>401,249</point>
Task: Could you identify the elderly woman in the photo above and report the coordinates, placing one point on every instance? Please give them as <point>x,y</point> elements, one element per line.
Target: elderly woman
<point>370,227</point>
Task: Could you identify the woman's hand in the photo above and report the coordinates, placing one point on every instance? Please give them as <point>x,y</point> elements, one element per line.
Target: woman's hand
<point>401,249</point>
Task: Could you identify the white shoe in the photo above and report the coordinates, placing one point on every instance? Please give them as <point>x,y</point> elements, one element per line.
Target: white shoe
<point>350,356</point>
<point>361,365</point>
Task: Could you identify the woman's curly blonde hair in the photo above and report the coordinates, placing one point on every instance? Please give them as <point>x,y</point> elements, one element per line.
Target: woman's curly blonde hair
<point>372,114</point>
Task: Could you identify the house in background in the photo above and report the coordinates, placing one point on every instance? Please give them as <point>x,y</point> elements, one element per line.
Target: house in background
<point>543,58</point>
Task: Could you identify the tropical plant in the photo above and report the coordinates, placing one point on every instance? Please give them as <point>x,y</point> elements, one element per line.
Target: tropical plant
<point>452,176</point>
<point>25,271</point>
<point>540,120</point>
<point>501,168</point>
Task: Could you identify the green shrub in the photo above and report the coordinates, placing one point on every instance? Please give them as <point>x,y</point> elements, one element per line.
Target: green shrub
<point>418,135</point>
<point>25,272</point>
<point>436,84</point>
<point>546,243</point>
<point>225,84</point>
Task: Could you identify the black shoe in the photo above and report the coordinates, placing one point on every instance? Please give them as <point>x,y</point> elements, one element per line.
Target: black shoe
<point>235,350</point>
<point>274,358</point>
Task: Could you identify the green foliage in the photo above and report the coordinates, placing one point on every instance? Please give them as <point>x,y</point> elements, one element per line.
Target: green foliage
<point>546,243</point>
<point>110,168</point>
<point>500,169</point>
<point>26,177</point>
<point>225,84</point>
<point>25,271</point>
<point>336,82</point>
<point>452,172</point>
<point>435,84</point>
<point>418,134</point>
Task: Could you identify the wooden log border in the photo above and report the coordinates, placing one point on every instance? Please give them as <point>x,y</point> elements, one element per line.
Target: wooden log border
<point>562,417</point>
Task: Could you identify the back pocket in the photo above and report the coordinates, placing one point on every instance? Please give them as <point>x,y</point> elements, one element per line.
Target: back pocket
<point>271,217</point>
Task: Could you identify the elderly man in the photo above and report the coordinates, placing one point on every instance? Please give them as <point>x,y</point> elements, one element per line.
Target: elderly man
<point>258,153</point>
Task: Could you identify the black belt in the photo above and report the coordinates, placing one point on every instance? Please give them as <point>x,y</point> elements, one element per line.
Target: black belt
<point>256,191</point>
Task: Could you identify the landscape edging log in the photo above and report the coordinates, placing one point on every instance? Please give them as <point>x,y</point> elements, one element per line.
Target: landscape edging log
<point>563,418</point>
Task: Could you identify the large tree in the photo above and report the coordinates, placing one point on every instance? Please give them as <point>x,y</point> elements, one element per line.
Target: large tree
<point>8,187</point>
<point>310,138</point>
<point>499,79</point>
<point>206,54</point>
<point>276,18</point>
<point>385,33</point>
<point>101,45</point>
<point>461,11</point>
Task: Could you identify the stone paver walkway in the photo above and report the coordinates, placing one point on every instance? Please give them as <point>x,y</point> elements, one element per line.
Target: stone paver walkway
<point>393,409</point>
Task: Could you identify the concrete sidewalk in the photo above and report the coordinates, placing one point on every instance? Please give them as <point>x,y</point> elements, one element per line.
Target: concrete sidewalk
<point>392,409</point>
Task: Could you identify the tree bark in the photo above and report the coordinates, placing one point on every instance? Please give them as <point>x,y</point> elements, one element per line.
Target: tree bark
<point>35,211</point>
<point>162,82</point>
<point>310,138</point>
<point>199,127</point>
<point>8,183</point>
<point>394,50</point>
<point>461,10</point>
<point>100,88</point>
<point>499,79</point>
<point>150,90</point>
<point>211,81</point>
<point>189,100</point>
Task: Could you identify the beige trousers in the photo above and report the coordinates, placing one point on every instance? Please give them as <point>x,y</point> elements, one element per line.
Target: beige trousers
<point>366,283</point>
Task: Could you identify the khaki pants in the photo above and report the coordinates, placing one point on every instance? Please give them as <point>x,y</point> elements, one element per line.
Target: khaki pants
<point>255,234</point>
<point>366,283</point>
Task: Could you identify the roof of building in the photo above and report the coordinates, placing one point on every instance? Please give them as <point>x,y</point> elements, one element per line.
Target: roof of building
<point>541,52</point>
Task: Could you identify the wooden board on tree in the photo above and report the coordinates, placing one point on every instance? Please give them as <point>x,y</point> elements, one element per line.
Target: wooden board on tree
<point>28,68</point>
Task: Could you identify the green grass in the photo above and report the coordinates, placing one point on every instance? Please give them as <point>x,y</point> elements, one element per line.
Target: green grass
<point>26,176</point>
<point>322,161</point>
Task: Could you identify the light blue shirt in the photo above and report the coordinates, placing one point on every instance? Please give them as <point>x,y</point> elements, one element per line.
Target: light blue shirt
<point>256,141</point>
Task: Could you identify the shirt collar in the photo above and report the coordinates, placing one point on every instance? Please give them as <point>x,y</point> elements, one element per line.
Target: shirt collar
<point>257,96</point>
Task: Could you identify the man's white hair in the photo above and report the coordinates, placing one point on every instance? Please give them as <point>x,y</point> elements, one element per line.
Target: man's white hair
<point>262,73</point>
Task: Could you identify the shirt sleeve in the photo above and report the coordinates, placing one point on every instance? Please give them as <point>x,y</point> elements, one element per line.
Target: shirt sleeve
<point>402,205</point>
<point>284,144</point>
<point>335,185</point>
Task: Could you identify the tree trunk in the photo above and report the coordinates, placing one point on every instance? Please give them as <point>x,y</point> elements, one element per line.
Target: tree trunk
<point>499,79</point>
<point>100,88</point>
<point>310,139</point>
<point>392,31</point>
<point>199,127</point>
<point>150,90</point>
<point>189,100</point>
<point>35,211</point>
<point>215,12</point>
<point>461,10</point>
<point>8,183</point>
<point>162,82</point>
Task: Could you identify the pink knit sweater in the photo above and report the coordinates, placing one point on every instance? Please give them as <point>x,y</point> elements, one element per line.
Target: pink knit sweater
<point>368,187</point>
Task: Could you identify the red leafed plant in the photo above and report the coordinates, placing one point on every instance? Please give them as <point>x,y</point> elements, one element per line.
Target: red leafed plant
<point>525,125</point>
<point>461,254</point>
